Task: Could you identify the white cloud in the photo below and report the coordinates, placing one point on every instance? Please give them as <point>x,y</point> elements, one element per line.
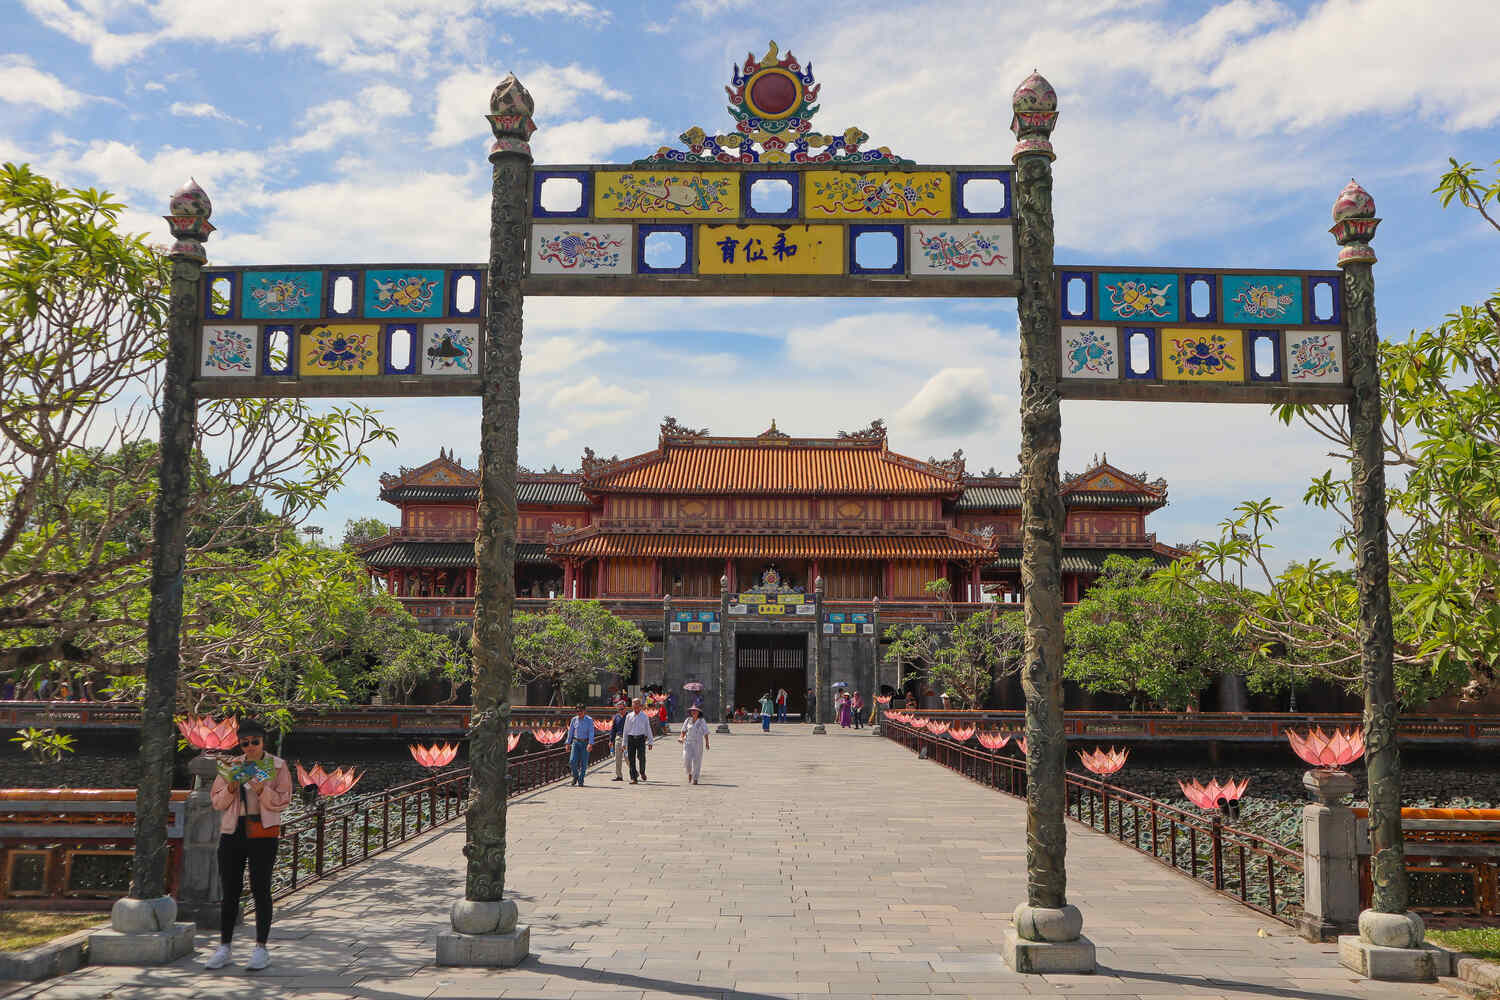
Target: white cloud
<point>591,140</point>
<point>331,123</point>
<point>895,335</point>
<point>463,99</point>
<point>593,393</point>
<point>956,402</point>
<point>556,353</point>
<point>23,83</point>
<point>201,109</point>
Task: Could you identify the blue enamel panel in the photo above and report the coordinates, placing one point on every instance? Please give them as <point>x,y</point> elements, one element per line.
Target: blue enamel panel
<point>586,188</point>
<point>1129,353</point>
<point>959,211</point>
<point>1274,299</point>
<point>405,293</point>
<point>793,180</point>
<point>1271,338</point>
<point>288,365</point>
<point>1125,296</point>
<point>221,307</point>
<point>644,266</point>
<point>1193,283</point>
<point>281,294</point>
<point>1336,296</point>
<point>897,232</point>
<point>455,278</point>
<point>1085,280</point>
<point>413,348</point>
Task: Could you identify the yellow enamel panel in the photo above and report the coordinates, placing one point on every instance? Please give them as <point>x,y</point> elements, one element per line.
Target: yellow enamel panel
<point>340,349</point>
<point>763,249</point>
<point>656,194</point>
<point>1203,355</point>
<point>883,194</point>
<point>772,609</point>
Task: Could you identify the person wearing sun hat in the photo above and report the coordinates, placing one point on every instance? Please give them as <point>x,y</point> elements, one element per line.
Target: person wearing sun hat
<point>694,740</point>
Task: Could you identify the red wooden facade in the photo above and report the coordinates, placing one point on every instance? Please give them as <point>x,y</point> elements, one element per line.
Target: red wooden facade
<point>674,520</point>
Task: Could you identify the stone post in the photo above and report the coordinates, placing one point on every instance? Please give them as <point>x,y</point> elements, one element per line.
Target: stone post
<point>876,729</point>
<point>1047,934</point>
<point>198,890</point>
<point>722,694</point>
<point>485,929</point>
<point>666,638</point>
<point>143,925</point>
<point>820,681</point>
<point>1389,945</point>
<point>1330,861</point>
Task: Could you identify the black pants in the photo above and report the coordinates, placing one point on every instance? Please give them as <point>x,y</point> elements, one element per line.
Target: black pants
<point>635,750</point>
<point>235,850</point>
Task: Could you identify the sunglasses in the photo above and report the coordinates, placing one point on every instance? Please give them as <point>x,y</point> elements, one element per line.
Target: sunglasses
<point>250,741</point>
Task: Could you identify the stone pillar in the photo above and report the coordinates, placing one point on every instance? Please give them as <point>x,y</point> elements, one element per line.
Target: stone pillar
<point>143,925</point>
<point>1389,945</point>
<point>819,707</point>
<point>1330,860</point>
<point>1047,935</point>
<point>875,677</point>
<point>666,640</point>
<point>485,929</point>
<point>199,891</point>
<point>721,695</point>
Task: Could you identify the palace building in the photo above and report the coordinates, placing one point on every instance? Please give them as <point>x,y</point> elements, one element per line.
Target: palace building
<point>772,514</point>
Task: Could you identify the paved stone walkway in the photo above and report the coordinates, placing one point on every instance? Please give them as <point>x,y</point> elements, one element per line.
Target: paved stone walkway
<point>802,866</point>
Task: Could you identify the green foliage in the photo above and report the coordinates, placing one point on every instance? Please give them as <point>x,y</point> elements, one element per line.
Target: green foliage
<point>572,643</point>
<point>360,531</point>
<point>1441,398</point>
<point>966,657</point>
<point>1137,635</point>
<point>46,746</point>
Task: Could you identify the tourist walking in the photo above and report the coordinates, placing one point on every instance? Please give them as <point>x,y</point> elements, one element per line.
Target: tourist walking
<point>767,709</point>
<point>781,704</point>
<point>580,742</point>
<point>250,791</point>
<point>669,707</point>
<point>858,705</point>
<point>694,740</point>
<point>846,711</point>
<point>638,737</point>
<point>617,740</point>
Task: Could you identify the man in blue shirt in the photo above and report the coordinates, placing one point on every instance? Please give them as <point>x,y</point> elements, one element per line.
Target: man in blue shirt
<point>580,741</point>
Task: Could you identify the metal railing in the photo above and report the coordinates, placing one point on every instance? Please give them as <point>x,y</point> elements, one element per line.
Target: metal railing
<point>1260,873</point>
<point>335,836</point>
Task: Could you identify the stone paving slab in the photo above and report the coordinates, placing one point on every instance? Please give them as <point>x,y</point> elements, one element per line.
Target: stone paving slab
<point>785,874</point>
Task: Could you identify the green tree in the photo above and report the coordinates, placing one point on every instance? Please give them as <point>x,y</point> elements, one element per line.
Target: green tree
<point>962,658</point>
<point>1441,398</point>
<point>360,531</point>
<point>82,336</point>
<point>572,643</point>
<point>1136,634</point>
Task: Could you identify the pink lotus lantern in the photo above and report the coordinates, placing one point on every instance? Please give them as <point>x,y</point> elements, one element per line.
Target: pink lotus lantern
<point>1021,742</point>
<point>204,733</point>
<point>1214,796</point>
<point>330,784</point>
<point>882,699</point>
<point>937,728</point>
<point>511,742</point>
<point>962,733</point>
<point>1320,750</point>
<point>436,756</point>
<point>993,739</point>
<point>1102,763</point>
<point>547,737</point>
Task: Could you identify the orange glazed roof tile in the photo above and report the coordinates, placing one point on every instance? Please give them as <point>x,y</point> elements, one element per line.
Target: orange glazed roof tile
<point>772,463</point>
<point>944,547</point>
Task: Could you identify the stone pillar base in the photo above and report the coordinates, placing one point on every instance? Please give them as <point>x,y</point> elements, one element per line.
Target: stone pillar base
<point>153,948</point>
<point>722,730</point>
<point>500,951</point>
<point>1310,928</point>
<point>820,728</point>
<point>1398,965</point>
<point>1076,956</point>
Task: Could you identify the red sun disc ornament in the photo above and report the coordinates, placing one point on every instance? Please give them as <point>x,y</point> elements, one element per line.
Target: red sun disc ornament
<point>773,93</point>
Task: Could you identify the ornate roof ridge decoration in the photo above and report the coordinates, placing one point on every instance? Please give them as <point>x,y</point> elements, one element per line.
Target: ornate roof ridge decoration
<point>1075,481</point>
<point>954,465</point>
<point>773,434</point>
<point>874,432</point>
<point>552,475</point>
<point>670,428</point>
<point>593,466</point>
<point>991,477</point>
<point>465,477</point>
<point>771,99</point>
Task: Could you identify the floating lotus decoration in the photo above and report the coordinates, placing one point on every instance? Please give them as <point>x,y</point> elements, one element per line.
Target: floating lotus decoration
<point>1213,796</point>
<point>1021,742</point>
<point>436,756</point>
<point>511,742</point>
<point>993,739</point>
<point>1102,763</point>
<point>936,727</point>
<point>1319,749</point>
<point>547,737</point>
<point>962,733</point>
<point>204,733</point>
<point>882,699</point>
<point>330,784</point>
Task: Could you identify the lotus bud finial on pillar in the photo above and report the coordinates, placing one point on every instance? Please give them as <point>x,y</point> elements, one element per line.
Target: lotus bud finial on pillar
<point>187,219</point>
<point>510,117</point>
<point>1354,225</point>
<point>1330,865</point>
<point>1034,107</point>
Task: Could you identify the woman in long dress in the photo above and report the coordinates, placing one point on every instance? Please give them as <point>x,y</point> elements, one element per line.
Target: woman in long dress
<point>694,740</point>
<point>846,712</point>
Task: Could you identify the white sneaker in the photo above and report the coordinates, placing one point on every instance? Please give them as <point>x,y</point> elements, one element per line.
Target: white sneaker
<point>219,958</point>
<point>259,959</point>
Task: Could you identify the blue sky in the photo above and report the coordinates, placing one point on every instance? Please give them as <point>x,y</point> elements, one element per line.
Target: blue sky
<point>1204,134</point>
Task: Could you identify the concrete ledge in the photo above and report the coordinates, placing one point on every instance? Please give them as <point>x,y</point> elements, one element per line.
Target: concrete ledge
<point>1048,956</point>
<point>1475,971</point>
<point>495,951</point>
<point>1396,965</point>
<point>157,948</point>
<point>52,958</point>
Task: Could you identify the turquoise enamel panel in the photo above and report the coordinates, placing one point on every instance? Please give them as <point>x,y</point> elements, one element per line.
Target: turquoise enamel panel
<point>281,295</point>
<point>1125,297</point>
<point>404,293</point>
<point>1263,298</point>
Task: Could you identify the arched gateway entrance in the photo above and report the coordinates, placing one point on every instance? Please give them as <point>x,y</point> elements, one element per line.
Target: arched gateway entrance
<point>773,207</point>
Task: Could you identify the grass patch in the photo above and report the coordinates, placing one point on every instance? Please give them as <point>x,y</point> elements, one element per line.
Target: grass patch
<point>1481,942</point>
<point>24,929</point>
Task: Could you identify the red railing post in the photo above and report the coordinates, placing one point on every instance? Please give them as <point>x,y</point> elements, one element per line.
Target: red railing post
<point>318,837</point>
<point>1218,851</point>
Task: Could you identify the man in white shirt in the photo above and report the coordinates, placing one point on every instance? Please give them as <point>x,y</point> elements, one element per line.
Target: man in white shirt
<point>638,737</point>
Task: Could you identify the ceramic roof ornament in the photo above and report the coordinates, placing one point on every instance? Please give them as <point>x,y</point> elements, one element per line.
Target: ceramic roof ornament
<point>1035,115</point>
<point>1354,224</point>
<point>189,209</point>
<point>510,117</point>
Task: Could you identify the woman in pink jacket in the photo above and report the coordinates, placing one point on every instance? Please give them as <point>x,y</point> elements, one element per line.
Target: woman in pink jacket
<point>250,791</point>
